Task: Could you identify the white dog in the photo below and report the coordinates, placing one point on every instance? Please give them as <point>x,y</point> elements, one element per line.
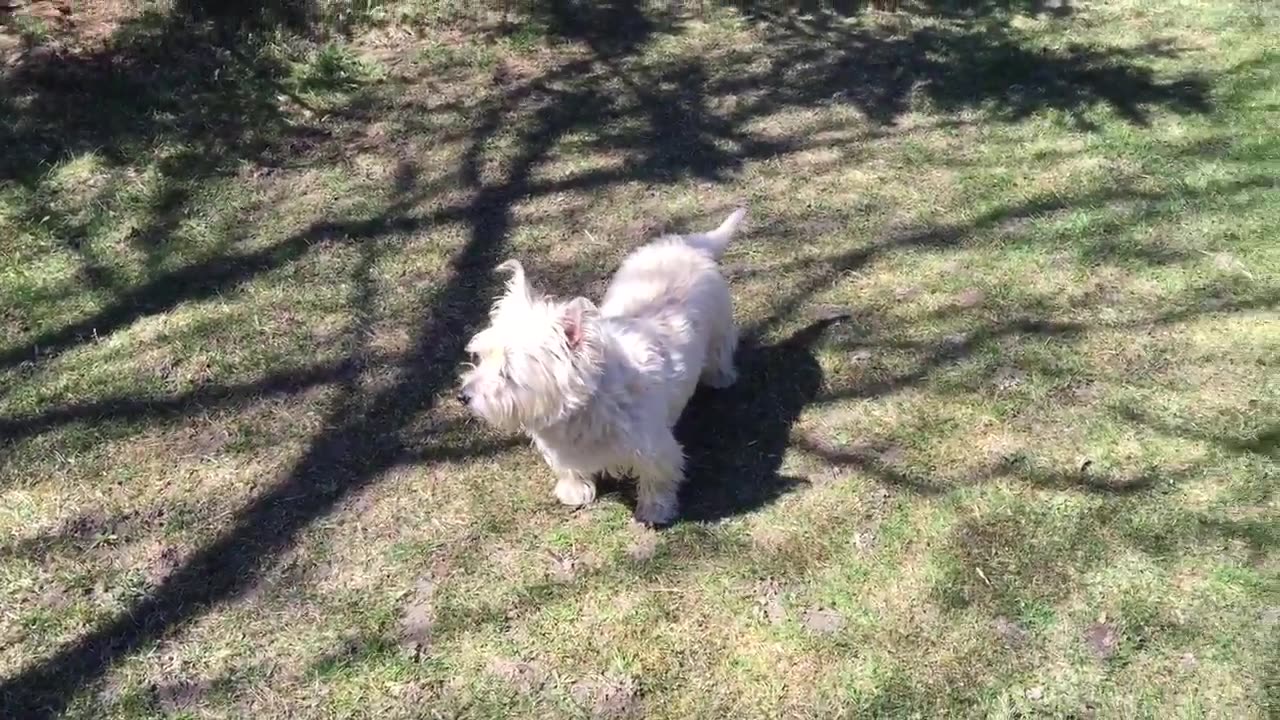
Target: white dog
<point>600,389</point>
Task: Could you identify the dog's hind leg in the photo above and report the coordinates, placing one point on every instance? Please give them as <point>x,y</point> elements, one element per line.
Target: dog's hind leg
<point>658,474</point>
<point>719,371</point>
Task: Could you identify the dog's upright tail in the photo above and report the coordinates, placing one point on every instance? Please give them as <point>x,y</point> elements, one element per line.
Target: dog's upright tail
<point>715,241</point>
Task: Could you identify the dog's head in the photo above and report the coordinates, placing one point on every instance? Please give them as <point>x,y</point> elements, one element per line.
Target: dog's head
<point>537,361</point>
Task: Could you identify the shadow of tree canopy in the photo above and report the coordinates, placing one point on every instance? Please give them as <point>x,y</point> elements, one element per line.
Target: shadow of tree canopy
<point>167,80</point>
<point>171,79</point>
<point>611,28</point>
<point>612,21</point>
<point>821,59</point>
<point>944,8</point>
<point>248,15</point>
<point>160,79</point>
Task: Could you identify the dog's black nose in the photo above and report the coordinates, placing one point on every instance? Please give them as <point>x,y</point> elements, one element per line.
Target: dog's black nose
<point>463,398</point>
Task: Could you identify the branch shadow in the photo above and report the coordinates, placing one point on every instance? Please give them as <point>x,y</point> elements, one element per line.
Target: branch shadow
<point>362,439</point>
<point>163,93</point>
<point>1008,563</point>
<point>1263,442</point>
<point>732,471</point>
<point>611,28</point>
<point>129,407</point>
<point>981,63</point>
<point>935,8</point>
<point>124,101</point>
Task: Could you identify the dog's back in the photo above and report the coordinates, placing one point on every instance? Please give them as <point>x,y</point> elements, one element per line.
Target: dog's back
<point>677,270</point>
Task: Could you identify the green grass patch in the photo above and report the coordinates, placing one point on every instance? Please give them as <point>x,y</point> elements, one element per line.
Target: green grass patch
<point>1031,471</point>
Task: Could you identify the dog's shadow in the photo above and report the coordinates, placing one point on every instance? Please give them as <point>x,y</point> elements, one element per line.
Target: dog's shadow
<point>734,439</point>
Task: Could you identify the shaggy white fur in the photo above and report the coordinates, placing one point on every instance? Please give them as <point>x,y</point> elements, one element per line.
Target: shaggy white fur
<point>600,389</point>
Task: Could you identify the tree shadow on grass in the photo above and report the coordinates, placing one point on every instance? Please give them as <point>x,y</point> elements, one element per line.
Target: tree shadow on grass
<point>610,28</point>
<point>1262,442</point>
<point>364,435</point>
<point>162,107</point>
<point>1015,564</point>
<point>168,82</point>
<point>161,81</point>
<point>980,64</point>
<point>944,8</point>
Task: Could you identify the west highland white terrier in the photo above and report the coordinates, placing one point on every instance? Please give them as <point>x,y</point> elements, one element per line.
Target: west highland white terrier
<point>600,389</point>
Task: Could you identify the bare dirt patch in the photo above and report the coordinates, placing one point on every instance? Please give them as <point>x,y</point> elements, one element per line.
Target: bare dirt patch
<point>1008,378</point>
<point>522,676</point>
<point>182,695</point>
<point>567,567</point>
<point>1102,639</point>
<point>1011,633</point>
<point>418,618</point>
<point>643,546</point>
<point>823,621</point>
<point>161,562</point>
<point>769,599</point>
<point>610,696</point>
<point>969,298</point>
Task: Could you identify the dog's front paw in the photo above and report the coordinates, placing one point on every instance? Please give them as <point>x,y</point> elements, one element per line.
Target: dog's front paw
<point>657,511</point>
<point>575,493</point>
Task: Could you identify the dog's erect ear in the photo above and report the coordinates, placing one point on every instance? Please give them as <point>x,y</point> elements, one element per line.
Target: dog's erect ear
<point>576,314</point>
<point>517,286</point>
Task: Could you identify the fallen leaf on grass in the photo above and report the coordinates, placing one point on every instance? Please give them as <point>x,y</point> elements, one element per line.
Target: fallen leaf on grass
<point>827,313</point>
<point>564,568</point>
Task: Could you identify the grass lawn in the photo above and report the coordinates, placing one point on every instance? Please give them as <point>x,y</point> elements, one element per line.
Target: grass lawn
<point>1006,441</point>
